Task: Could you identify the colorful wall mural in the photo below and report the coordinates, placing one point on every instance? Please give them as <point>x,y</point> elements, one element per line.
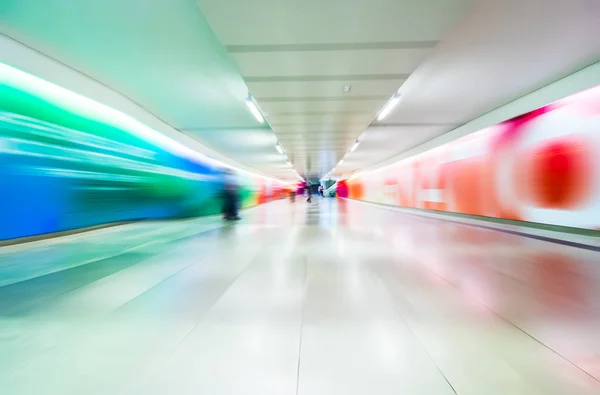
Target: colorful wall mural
<point>68,162</point>
<point>543,167</point>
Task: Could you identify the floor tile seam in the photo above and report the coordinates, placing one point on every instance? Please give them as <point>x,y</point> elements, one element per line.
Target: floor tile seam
<point>203,318</point>
<point>517,327</point>
<point>299,364</point>
<point>391,300</point>
<point>170,276</point>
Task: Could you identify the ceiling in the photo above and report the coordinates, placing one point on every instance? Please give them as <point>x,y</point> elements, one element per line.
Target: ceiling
<point>191,64</point>
<point>500,51</point>
<point>452,60</point>
<point>296,56</point>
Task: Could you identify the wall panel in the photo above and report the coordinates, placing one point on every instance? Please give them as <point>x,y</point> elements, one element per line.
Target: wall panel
<point>68,162</point>
<point>542,166</point>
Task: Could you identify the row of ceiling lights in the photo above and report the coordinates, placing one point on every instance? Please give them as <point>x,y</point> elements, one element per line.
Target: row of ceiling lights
<point>255,110</point>
<point>352,149</point>
<point>384,112</point>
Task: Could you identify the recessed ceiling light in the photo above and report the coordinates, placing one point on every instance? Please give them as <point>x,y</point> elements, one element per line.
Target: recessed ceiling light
<point>347,88</point>
<point>254,109</point>
<point>389,106</point>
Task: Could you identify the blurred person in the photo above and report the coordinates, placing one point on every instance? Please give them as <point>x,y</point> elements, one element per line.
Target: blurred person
<point>292,196</point>
<point>321,191</point>
<point>308,191</point>
<point>230,197</point>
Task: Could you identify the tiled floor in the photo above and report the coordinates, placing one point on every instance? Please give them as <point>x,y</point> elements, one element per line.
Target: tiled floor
<point>335,297</point>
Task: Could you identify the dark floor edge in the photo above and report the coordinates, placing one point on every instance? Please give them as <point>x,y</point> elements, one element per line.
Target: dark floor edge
<point>56,235</point>
<point>71,232</point>
<point>439,217</point>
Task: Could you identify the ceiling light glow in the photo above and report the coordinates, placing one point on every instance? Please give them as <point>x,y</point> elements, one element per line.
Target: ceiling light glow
<point>254,109</point>
<point>100,112</point>
<point>389,106</point>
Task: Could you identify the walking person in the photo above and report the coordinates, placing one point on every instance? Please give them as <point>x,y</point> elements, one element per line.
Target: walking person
<point>230,197</point>
<point>308,192</point>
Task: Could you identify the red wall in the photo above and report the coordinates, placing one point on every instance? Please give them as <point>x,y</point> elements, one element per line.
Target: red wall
<point>542,166</point>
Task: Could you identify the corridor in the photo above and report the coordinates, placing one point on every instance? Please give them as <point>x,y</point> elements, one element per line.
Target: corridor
<point>336,297</point>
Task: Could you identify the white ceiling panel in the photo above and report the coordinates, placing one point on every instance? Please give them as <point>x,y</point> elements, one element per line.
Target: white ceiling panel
<point>275,107</point>
<point>296,125</point>
<point>316,143</point>
<point>499,52</point>
<point>325,88</point>
<point>322,135</point>
<point>307,63</point>
<point>257,22</point>
<point>331,121</point>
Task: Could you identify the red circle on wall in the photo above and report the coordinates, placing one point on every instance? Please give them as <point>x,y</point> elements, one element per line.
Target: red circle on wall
<point>559,173</point>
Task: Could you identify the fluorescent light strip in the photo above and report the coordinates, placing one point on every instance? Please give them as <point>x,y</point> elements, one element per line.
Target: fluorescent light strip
<point>354,147</point>
<point>389,106</point>
<point>99,112</point>
<point>254,109</point>
<point>279,148</point>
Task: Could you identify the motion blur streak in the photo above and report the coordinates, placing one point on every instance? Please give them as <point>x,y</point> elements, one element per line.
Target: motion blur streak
<point>539,167</point>
<point>68,162</point>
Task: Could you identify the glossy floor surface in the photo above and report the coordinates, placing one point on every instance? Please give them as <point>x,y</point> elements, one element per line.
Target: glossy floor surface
<point>335,297</point>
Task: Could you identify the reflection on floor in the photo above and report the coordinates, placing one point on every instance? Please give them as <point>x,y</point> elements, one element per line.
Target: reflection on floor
<point>321,299</point>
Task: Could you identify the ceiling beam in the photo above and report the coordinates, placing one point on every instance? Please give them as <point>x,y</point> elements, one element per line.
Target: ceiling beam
<point>361,46</point>
<point>338,77</point>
